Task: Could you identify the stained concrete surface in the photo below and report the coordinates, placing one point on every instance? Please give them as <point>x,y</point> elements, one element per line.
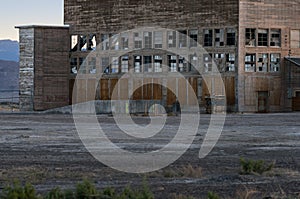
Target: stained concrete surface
<point>45,149</point>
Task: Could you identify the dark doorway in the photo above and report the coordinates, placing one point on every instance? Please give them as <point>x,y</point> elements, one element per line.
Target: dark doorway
<point>296,102</point>
<point>263,102</point>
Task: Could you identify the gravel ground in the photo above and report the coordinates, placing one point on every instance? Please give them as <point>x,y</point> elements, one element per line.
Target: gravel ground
<point>45,150</point>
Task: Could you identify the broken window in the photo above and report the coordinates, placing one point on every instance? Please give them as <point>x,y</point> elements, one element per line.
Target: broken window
<point>172,60</point>
<point>275,62</point>
<point>125,41</point>
<point>220,61</point>
<point>148,64</point>
<point>138,40</point>
<point>183,39</point>
<point>125,64</point>
<point>295,38</point>
<point>250,62</point>
<point>74,43</point>
<point>230,62</point>
<point>115,65</point>
<point>262,37</point>
<point>193,34</point>
<point>74,65</point>
<point>92,65</point>
<point>105,41</point>
<point>230,37</point>
<point>208,37</point>
<point>105,65</point>
<point>172,39</point>
<point>275,37</point>
<point>83,43</point>
<point>115,42</point>
<point>207,61</point>
<point>250,37</point>
<point>182,64</point>
<point>92,44</point>
<point>158,63</point>
<point>193,60</point>
<point>82,65</point>
<point>262,62</point>
<point>158,39</point>
<point>137,64</point>
<point>219,37</point>
<point>148,39</point>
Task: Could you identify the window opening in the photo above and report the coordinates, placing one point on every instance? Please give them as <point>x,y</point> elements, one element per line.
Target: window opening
<point>125,64</point>
<point>208,37</point>
<point>219,37</point>
<point>158,39</point>
<point>275,38</point>
<point>172,39</point>
<point>250,62</point>
<point>263,62</point>
<point>231,37</point>
<point>182,39</point>
<point>230,62</point>
<point>138,40</point>
<point>193,38</point>
<point>262,37</point>
<point>148,64</point>
<point>105,41</point>
<point>148,39</point>
<point>137,64</point>
<point>250,37</point>
<point>275,62</point>
<point>207,60</point>
<point>158,63</point>
<point>172,63</point>
<point>125,41</point>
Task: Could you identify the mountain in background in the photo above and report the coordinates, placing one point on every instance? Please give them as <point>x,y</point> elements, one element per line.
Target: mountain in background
<point>9,50</point>
<point>9,75</point>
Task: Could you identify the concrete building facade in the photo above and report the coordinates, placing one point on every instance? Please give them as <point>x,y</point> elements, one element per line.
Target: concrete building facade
<point>250,42</point>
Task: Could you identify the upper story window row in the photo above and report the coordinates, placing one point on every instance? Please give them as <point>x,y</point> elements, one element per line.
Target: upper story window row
<point>263,37</point>
<point>155,39</point>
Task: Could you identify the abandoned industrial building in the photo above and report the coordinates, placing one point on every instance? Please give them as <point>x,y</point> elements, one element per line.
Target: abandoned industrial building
<point>254,43</point>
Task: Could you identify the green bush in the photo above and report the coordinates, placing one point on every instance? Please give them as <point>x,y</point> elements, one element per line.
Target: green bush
<point>55,194</point>
<point>212,195</point>
<point>255,166</point>
<point>84,190</point>
<point>16,191</point>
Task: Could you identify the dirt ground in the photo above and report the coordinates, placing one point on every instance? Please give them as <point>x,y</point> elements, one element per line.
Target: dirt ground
<point>45,150</point>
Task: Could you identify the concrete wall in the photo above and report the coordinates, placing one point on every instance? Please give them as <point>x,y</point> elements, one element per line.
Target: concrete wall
<point>26,80</point>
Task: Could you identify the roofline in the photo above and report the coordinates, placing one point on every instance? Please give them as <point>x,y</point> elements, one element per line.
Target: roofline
<point>292,61</point>
<point>42,26</point>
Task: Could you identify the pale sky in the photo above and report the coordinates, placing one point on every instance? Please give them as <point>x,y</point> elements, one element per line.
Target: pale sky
<point>28,12</point>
